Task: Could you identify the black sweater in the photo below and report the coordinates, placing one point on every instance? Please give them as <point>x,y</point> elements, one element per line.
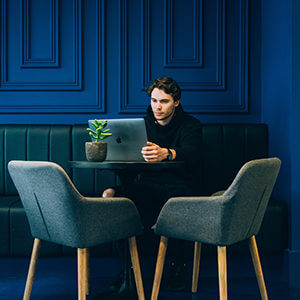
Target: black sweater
<point>183,134</point>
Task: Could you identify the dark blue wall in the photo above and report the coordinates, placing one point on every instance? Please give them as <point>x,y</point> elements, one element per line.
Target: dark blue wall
<point>295,148</point>
<point>72,60</point>
<point>281,109</point>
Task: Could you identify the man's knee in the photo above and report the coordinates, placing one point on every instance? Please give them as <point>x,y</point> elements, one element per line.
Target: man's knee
<point>108,193</point>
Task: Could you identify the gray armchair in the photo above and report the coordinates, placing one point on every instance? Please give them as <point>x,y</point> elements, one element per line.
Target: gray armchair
<point>220,220</point>
<point>58,213</point>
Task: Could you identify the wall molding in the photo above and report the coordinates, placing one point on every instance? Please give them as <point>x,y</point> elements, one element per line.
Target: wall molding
<point>241,102</point>
<point>170,61</point>
<point>75,84</point>
<point>123,63</point>
<point>26,60</point>
<point>94,104</point>
<point>100,55</point>
<point>219,83</point>
<point>236,102</point>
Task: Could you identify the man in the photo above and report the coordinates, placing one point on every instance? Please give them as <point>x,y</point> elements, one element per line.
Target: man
<point>172,135</point>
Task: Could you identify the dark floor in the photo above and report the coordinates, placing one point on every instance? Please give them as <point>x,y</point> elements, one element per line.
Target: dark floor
<point>56,278</point>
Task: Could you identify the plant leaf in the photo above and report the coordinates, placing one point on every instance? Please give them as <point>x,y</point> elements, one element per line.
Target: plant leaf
<point>91,130</point>
<point>92,135</point>
<point>95,125</point>
<point>106,134</point>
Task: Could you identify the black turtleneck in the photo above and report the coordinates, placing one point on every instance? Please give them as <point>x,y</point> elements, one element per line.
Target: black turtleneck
<point>182,133</point>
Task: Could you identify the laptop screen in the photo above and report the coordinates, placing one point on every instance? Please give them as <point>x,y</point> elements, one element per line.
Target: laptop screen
<point>128,138</point>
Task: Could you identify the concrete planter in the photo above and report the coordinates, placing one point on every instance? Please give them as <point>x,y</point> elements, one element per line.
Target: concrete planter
<point>96,151</point>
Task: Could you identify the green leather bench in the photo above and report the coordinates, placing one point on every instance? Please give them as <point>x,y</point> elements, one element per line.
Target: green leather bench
<point>225,148</point>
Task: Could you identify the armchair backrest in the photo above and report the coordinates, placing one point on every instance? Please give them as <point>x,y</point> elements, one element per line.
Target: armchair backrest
<point>249,194</point>
<point>50,200</point>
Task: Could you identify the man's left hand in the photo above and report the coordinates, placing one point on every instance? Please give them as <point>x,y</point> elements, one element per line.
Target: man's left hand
<point>153,152</point>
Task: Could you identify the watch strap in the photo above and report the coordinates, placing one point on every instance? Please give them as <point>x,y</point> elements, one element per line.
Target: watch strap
<point>170,155</point>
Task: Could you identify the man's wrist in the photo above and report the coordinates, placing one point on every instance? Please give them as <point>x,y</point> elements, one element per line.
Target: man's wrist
<point>171,154</point>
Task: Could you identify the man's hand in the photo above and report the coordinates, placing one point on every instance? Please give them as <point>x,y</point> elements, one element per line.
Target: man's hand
<point>153,152</point>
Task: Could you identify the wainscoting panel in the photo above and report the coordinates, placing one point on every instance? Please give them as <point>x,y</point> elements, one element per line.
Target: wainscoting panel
<point>97,57</point>
<point>202,44</point>
<point>43,50</point>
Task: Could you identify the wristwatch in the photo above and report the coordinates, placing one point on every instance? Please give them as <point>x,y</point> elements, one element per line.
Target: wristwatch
<point>170,155</point>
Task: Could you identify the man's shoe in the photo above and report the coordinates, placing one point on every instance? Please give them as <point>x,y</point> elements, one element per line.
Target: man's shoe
<point>177,278</point>
<point>115,286</point>
<point>124,283</point>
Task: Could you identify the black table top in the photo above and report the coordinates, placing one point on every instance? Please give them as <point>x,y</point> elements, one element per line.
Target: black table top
<point>128,165</point>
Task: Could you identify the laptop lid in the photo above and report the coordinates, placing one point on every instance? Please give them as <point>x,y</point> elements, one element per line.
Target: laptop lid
<point>128,138</point>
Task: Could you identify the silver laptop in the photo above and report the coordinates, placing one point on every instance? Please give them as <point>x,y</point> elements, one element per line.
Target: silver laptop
<point>128,138</point>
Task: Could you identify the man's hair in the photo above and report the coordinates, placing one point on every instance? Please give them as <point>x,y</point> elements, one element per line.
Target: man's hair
<point>168,85</point>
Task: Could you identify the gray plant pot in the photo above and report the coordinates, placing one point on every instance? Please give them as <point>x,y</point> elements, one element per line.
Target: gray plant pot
<point>96,151</point>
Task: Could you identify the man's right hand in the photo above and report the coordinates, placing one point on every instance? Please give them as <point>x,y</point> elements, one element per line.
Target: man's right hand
<point>153,152</point>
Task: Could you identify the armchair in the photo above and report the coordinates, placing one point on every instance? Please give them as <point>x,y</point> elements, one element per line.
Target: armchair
<point>58,213</point>
<point>220,220</point>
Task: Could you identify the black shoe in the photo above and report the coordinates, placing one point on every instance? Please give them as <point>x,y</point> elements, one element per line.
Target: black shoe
<point>177,278</point>
<point>124,283</point>
<point>115,286</point>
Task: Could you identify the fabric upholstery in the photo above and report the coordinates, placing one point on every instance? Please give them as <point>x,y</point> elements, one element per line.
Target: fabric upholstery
<point>58,213</point>
<point>235,215</point>
<point>225,148</point>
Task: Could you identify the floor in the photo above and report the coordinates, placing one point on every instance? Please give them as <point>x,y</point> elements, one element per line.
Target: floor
<point>56,278</point>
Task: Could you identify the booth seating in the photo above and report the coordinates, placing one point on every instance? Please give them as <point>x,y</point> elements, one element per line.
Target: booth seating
<point>225,148</point>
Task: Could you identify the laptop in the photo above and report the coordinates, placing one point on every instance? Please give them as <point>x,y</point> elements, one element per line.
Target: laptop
<point>128,138</point>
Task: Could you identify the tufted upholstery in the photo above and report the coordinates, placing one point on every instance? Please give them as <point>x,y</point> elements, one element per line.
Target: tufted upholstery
<point>225,148</point>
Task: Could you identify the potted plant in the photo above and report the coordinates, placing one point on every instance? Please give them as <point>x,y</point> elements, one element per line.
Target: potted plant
<point>97,150</point>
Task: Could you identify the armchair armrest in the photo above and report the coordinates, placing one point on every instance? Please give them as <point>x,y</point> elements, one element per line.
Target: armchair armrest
<point>107,219</point>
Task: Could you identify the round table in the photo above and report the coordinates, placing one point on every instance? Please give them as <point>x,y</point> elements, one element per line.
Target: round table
<point>128,170</point>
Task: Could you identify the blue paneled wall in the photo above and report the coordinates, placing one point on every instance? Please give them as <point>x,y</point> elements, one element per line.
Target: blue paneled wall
<point>68,61</point>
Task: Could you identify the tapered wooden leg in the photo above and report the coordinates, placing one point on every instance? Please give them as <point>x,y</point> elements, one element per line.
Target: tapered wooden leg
<point>196,264</point>
<point>159,266</point>
<point>81,257</point>
<point>32,267</point>
<point>136,267</point>
<point>257,267</point>
<point>88,271</point>
<point>222,266</point>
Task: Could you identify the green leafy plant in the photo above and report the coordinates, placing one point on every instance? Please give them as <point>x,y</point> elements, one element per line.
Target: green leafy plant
<point>99,133</point>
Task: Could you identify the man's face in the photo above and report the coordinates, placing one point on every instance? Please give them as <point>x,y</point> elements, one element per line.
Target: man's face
<point>163,106</point>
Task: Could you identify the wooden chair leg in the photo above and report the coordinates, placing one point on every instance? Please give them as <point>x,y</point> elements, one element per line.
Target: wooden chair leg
<point>88,272</point>
<point>258,268</point>
<point>196,264</point>
<point>136,267</point>
<point>222,266</point>
<point>81,258</point>
<point>32,267</point>
<point>159,266</point>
